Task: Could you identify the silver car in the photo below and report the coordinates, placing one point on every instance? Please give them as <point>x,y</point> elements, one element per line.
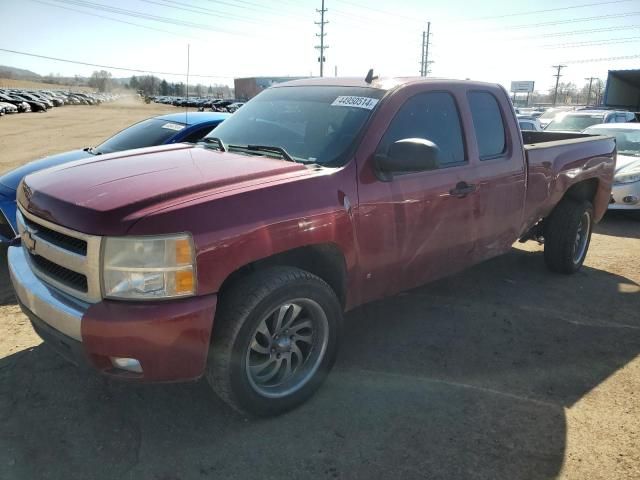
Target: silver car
<point>625,194</point>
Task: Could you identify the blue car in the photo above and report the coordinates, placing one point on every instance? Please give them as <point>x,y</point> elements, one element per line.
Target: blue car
<point>162,130</point>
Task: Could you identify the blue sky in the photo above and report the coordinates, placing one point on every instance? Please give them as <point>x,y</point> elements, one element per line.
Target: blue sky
<point>489,40</point>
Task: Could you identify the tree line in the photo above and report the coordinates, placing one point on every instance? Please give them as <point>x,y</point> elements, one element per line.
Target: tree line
<point>150,85</point>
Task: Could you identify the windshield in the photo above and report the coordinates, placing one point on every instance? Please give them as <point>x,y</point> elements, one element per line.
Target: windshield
<point>627,140</point>
<point>147,133</point>
<point>313,124</point>
<point>574,123</point>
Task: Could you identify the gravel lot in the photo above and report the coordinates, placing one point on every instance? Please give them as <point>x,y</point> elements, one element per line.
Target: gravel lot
<point>505,371</point>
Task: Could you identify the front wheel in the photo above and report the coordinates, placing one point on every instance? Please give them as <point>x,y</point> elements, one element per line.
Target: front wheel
<point>275,340</point>
<point>567,234</point>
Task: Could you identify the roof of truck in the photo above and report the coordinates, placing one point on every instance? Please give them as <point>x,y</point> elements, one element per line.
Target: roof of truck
<point>384,83</point>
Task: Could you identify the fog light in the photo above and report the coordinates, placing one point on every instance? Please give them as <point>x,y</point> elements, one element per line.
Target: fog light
<point>630,199</point>
<point>129,364</point>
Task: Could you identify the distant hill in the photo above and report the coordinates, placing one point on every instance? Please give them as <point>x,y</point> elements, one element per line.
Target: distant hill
<point>18,73</point>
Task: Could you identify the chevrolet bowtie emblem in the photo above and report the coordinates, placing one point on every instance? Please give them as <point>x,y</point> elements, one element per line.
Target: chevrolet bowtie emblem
<point>28,241</point>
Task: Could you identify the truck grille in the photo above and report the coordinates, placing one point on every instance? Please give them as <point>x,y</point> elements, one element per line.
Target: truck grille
<point>63,275</point>
<point>63,258</point>
<point>58,239</point>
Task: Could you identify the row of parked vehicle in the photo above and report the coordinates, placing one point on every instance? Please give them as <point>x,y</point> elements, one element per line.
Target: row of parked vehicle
<point>14,100</point>
<point>569,119</point>
<point>228,105</point>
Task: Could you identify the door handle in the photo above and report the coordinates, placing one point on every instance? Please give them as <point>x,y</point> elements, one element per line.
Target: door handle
<point>462,189</point>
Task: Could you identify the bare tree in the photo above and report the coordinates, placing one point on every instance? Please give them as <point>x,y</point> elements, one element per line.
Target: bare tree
<point>100,80</point>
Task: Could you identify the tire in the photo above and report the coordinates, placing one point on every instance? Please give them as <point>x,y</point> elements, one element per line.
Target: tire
<point>564,249</point>
<point>241,346</point>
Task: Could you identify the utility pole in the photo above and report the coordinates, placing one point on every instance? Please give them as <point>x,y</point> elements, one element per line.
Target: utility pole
<point>424,58</point>
<point>426,50</point>
<point>322,46</point>
<point>557,75</point>
<point>591,79</point>
<point>422,69</point>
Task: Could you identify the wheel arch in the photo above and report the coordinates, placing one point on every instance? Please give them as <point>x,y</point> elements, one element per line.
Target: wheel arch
<point>325,260</point>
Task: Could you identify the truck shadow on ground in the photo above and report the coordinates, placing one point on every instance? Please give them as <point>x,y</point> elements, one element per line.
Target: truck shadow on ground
<point>465,378</point>
<point>619,224</point>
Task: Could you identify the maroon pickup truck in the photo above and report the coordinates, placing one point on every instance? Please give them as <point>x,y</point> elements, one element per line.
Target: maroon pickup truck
<point>236,258</point>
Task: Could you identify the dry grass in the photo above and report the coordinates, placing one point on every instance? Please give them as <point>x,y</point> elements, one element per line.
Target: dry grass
<point>11,83</point>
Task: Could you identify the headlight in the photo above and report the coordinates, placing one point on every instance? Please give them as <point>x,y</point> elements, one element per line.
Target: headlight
<point>628,176</point>
<point>148,267</point>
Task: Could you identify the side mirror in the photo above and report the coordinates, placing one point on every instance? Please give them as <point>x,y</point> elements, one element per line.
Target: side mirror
<point>409,155</point>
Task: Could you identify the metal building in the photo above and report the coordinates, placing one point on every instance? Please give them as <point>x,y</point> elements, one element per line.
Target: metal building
<point>623,89</point>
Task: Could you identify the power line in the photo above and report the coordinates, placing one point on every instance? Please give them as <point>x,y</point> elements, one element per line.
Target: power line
<point>136,14</point>
<point>110,67</point>
<point>578,32</point>
<point>112,19</point>
<point>602,59</point>
<point>592,43</point>
<point>572,20</point>
<point>490,17</point>
<point>547,10</point>
<point>322,46</point>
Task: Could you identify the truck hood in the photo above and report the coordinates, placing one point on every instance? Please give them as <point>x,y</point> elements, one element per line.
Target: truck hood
<point>105,195</point>
<point>624,161</point>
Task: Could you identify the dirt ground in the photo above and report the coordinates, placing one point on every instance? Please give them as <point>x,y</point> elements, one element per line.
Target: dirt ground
<point>505,371</point>
<point>25,137</point>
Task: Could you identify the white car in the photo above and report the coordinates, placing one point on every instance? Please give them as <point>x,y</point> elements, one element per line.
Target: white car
<point>8,107</point>
<point>529,123</point>
<point>578,120</point>
<point>625,194</point>
<point>550,113</point>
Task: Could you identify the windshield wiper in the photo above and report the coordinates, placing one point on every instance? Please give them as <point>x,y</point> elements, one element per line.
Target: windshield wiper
<point>267,149</point>
<point>92,151</point>
<point>216,141</point>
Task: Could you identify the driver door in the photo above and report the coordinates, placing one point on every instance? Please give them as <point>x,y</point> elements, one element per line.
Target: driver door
<point>417,226</point>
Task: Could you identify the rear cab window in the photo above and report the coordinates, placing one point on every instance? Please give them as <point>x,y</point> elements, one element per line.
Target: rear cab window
<point>488,124</point>
<point>431,116</point>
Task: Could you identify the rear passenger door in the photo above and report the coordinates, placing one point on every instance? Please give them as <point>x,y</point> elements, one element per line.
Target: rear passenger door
<point>499,174</point>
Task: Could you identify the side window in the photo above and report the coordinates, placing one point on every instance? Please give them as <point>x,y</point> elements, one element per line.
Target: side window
<point>197,135</point>
<point>432,116</point>
<point>526,126</point>
<point>488,124</point>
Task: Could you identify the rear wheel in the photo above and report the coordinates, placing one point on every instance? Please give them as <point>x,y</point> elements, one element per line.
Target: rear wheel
<point>567,234</point>
<point>274,341</point>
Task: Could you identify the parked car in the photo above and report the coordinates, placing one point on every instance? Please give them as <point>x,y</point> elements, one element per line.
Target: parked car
<point>529,123</point>
<point>625,194</point>
<point>315,197</point>
<point>162,130</point>
<point>550,113</point>
<point>22,106</point>
<point>34,105</point>
<point>578,120</point>
<point>234,107</point>
<point>8,107</point>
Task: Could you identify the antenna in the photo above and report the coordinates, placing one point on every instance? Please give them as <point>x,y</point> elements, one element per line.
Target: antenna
<point>370,78</point>
<point>186,111</point>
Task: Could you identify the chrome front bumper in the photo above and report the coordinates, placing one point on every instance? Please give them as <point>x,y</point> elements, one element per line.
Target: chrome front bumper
<point>55,308</point>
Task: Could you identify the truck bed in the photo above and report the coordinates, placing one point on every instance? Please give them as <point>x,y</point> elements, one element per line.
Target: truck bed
<point>557,161</point>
